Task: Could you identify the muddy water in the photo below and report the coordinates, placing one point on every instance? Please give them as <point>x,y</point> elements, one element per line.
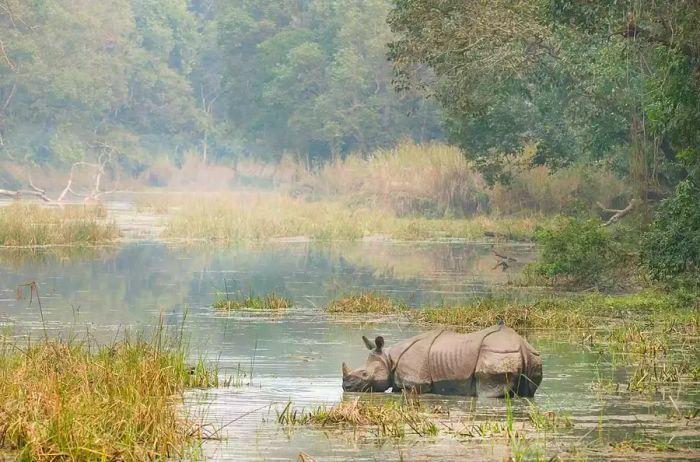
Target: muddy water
<point>296,356</point>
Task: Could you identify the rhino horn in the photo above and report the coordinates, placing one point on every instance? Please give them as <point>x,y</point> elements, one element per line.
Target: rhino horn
<point>346,370</point>
<point>368,343</point>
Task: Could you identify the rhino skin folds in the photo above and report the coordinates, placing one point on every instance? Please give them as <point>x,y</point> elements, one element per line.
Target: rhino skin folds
<point>490,363</point>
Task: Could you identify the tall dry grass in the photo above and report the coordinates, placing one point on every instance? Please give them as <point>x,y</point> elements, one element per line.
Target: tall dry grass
<point>437,181</point>
<point>247,216</point>
<point>68,400</point>
<point>23,224</point>
<point>432,180</point>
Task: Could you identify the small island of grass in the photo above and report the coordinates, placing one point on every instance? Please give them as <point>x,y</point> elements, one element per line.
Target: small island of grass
<point>270,302</point>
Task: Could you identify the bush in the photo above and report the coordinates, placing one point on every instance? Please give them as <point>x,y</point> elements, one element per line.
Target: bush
<point>579,252</point>
<point>671,249</point>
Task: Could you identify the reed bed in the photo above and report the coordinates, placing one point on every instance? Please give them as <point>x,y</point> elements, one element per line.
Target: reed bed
<point>587,311</point>
<point>367,302</point>
<point>270,302</point>
<point>32,225</point>
<point>69,400</point>
<point>234,217</point>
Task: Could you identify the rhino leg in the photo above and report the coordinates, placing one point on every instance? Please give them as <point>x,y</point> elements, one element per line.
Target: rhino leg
<point>499,374</point>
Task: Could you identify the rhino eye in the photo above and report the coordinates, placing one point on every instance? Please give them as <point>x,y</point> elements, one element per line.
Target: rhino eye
<point>365,373</point>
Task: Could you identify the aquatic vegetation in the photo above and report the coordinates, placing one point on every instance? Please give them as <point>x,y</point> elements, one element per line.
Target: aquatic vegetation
<point>392,418</point>
<point>547,420</point>
<point>34,225</point>
<point>73,400</point>
<point>234,217</point>
<point>488,312</point>
<point>367,302</point>
<point>579,311</point>
<point>270,302</point>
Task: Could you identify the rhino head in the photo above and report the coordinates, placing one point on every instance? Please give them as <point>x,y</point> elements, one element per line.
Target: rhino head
<point>375,375</point>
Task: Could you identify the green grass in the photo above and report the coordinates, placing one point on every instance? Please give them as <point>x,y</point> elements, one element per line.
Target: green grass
<point>33,225</point>
<point>580,311</point>
<point>368,302</point>
<point>68,400</point>
<point>270,302</point>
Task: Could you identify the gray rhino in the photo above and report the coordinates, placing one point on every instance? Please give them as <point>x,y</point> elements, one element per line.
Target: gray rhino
<point>492,363</point>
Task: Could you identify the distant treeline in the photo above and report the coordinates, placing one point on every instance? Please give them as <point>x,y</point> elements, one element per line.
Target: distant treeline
<point>160,78</point>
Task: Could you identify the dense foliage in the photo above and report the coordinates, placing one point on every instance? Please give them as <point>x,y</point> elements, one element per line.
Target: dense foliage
<point>671,250</point>
<point>156,78</point>
<point>616,82</point>
<point>579,252</point>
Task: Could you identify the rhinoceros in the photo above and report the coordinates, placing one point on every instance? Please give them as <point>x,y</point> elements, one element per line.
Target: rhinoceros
<point>492,363</point>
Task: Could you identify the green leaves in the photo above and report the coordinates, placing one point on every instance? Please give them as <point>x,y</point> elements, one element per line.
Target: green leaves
<point>312,78</point>
<point>586,81</point>
<point>671,250</point>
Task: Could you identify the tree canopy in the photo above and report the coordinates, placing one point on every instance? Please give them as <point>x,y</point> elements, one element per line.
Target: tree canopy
<point>159,78</point>
<point>590,81</point>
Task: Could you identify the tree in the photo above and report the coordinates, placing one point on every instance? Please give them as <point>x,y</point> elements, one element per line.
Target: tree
<point>613,82</point>
<point>312,77</point>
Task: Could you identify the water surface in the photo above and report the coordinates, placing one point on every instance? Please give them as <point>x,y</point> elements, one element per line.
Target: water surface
<point>296,356</point>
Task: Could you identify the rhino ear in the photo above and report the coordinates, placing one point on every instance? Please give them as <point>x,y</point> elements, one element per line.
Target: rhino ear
<point>368,343</point>
<point>379,341</point>
<point>346,370</point>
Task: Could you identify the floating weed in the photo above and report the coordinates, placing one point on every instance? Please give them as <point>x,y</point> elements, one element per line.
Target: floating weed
<point>644,445</point>
<point>368,302</point>
<point>270,302</point>
<point>487,312</point>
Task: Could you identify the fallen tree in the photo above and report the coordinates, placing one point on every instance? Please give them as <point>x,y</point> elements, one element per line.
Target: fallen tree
<point>104,162</point>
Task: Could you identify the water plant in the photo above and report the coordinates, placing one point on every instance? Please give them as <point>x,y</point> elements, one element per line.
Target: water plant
<point>247,216</point>
<point>394,417</point>
<point>73,400</point>
<point>27,225</point>
<point>366,302</point>
<point>269,302</point>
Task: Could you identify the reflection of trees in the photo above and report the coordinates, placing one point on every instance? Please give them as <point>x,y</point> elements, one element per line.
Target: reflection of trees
<point>133,284</point>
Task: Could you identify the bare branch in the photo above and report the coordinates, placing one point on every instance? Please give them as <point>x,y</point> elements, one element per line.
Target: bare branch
<point>618,214</point>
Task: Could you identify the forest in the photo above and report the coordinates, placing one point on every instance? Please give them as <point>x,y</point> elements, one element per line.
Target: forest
<point>209,208</point>
<point>225,79</point>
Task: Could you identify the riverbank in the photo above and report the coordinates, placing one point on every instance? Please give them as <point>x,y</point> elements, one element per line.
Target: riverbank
<point>75,400</point>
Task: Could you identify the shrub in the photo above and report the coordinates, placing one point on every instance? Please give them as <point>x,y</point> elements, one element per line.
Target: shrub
<point>579,252</point>
<point>671,249</point>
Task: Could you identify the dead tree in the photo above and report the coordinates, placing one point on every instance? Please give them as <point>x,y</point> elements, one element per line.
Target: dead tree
<point>105,161</point>
<point>618,214</point>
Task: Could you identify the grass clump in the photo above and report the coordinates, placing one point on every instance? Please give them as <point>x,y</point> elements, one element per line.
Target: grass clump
<point>367,302</point>
<point>393,418</point>
<point>487,312</point>
<point>270,302</point>
<point>33,225</point>
<point>63,400</point>
<point>581,311</point>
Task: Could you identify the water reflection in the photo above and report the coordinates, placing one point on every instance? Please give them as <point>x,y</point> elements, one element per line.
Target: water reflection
<point>296,356</point>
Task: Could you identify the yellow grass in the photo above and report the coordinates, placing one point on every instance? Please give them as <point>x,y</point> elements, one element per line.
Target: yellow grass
<point>34,225</point>
<point>233,217</point>
<point>64,400</point>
